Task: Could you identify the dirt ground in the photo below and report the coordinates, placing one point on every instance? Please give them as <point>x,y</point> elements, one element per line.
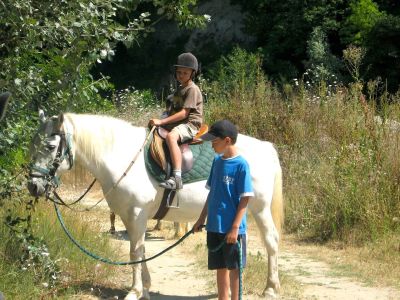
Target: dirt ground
<point>176,274</point>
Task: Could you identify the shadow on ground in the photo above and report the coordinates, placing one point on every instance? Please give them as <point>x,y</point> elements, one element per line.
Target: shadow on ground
<point>110,293</point>
<point>122,235</point>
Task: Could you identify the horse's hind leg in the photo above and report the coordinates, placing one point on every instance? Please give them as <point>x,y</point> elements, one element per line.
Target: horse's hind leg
<point>181,229</point>
<point>270,237</point>
<point>112,222</point>
<point>158,225</point>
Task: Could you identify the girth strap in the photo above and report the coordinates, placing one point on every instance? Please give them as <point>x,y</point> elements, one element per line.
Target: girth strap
<point>167,198</point>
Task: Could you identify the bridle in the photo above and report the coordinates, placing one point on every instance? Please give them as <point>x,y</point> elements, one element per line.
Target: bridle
<point>64,151</point>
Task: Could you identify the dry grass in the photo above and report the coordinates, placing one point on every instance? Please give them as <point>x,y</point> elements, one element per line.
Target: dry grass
<point>376,263</point>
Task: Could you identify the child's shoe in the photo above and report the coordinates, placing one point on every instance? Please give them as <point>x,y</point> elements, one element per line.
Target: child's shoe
<point>173,183</point>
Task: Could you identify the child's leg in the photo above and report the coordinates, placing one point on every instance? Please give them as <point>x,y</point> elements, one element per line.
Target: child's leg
<point>234,282</point>
<point>175,181</point>
<point>176,156</point>
<point>223,284</point>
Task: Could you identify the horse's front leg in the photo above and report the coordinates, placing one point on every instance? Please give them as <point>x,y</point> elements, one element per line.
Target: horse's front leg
<point>136,228</point>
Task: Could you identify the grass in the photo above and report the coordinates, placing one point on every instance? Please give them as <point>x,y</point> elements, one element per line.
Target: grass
<point>376,263</point>
<point>28,277</point>
<point>341,168</point>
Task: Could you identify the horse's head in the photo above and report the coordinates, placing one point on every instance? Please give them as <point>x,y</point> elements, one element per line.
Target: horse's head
<point>50,154</point>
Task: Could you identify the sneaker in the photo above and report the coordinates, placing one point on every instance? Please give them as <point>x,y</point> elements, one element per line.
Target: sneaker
<point>173,183</point>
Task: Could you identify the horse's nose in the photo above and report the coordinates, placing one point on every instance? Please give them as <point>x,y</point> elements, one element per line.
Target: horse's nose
<point>35,189</point>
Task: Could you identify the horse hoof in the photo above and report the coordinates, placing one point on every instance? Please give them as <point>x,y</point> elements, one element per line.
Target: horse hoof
<point>269,293</point>
<point>146,295</point>
<point>131,296</point>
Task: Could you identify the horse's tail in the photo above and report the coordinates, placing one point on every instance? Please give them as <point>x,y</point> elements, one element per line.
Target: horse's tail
<point>277,202</point>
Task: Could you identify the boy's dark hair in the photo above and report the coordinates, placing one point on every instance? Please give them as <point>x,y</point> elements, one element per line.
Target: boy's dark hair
<point>221,129</point>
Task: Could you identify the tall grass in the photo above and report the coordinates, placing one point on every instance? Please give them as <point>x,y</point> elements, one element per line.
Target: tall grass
<point>49,265</point>
<point>341,164</point>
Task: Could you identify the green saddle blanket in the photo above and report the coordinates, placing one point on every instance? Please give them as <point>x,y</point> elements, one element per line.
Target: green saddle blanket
<point>203,155</point>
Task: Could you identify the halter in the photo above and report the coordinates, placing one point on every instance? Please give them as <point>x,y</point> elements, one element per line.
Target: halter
<point>64,151</point>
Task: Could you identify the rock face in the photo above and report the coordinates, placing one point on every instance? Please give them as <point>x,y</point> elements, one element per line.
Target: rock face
<point>148,66</point>
<point>225,29</point>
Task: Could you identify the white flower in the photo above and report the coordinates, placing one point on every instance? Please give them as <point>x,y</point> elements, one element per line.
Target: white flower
<point>207,17</point>
<point>17,81</point>
<point>103,53</point>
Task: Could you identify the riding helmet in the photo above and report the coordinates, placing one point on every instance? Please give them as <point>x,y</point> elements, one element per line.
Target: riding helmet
<point>187,60</point>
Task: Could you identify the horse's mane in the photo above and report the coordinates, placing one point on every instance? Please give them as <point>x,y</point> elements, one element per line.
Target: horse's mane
<point>96,135</point>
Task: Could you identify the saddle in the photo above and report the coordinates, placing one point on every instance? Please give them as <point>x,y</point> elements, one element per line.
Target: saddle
<point>160,152</point>
<point>197,158</point>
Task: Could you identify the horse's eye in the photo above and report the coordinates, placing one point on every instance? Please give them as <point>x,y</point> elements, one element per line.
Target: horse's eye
<point>51,147</point>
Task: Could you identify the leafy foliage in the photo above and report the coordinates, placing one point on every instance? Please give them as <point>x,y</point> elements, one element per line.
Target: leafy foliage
<point>341,166</point>
<point>322,63</point>
<point>47,51</point>
<point>289,33</point>
<point>284,27</point>
<point>364,15</point>
<point>383,53</point>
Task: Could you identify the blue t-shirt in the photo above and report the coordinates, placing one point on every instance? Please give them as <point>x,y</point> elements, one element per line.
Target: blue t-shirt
<point>229,180</point>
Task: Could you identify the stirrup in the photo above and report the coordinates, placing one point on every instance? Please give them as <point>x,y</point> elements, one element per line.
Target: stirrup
<point>170,199</point>
<point>173,183</point>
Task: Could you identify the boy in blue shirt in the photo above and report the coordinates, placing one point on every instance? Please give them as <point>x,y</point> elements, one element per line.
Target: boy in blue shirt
<point>230,190</point>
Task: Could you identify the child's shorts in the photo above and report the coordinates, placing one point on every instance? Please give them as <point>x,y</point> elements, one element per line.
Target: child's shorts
<point>185,131</point>
<point>227,256</point>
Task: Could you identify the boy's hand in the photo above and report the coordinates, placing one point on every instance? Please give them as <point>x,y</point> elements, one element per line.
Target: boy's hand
<point>154,122</point>
<point>232,235</point>
<point>198,226</point>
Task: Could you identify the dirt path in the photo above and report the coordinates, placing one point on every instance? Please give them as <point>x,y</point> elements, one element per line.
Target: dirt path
<point>175,275</point>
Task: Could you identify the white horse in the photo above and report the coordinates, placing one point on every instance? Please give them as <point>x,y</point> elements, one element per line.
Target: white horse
<point>106,146</point>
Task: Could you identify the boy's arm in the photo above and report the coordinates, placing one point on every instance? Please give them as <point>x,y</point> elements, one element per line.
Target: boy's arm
<point>202,218</point>
<point>180,115</point>
<point>232,235</point>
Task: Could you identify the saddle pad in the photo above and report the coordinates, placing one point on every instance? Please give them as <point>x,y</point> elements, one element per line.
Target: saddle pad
<point>203,155</point>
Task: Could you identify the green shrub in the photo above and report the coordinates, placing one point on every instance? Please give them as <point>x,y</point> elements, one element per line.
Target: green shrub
<point>341,170</point>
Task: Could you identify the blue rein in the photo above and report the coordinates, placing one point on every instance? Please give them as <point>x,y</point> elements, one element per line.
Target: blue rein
<point>106,260</point>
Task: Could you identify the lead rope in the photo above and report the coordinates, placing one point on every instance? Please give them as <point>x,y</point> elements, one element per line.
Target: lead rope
<point>240,263</point>
<point>106,260</point>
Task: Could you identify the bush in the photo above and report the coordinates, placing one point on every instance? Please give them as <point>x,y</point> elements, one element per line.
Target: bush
<point>341,170</point>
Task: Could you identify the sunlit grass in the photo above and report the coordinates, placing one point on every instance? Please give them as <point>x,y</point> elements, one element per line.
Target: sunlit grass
<point>75,269</point>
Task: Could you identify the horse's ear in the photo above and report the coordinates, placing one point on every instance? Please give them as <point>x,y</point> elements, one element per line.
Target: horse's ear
<point>42,117</point>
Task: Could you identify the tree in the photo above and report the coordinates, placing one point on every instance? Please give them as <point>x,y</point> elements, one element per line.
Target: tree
<point>48,48</point>
<point>363,17</point>
<point>283,28</point>
<point>383,52</point>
